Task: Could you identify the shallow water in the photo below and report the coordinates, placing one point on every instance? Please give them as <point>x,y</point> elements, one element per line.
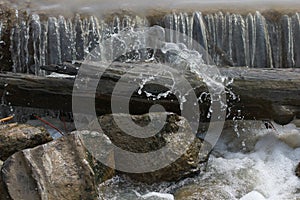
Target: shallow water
<point>259,164</point>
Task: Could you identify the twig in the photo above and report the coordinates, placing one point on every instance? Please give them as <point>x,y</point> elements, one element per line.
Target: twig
<point>49,124</point>
<point>6,119</point>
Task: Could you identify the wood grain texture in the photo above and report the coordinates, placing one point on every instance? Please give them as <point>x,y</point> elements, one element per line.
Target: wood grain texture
<point>262,93</point>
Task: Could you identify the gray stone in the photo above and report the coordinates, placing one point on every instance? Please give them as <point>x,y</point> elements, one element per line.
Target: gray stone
<point>198,192</point>
<point>16,137</point>
<point>189,163</point>
<point>62,169</point>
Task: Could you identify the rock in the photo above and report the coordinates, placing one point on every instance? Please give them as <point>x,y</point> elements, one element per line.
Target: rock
<point>291,138</point>
<point>296,122</point>
<point>15,137</point>
<point>61,169</point>
<point>297,170</point>
<point>200,192</point>
<point>188,163</point>
<point>3,194</point>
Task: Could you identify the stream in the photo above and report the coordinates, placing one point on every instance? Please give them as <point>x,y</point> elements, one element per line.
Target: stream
<point>256,165</point>
<point>249,161</point>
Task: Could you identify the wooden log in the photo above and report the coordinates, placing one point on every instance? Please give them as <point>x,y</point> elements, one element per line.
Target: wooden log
<point>262,93</point>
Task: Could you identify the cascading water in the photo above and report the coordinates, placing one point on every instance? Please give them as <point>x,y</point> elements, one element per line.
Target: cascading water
<point>37,42</point>
<point>236,40</point>
<point>251,40</point>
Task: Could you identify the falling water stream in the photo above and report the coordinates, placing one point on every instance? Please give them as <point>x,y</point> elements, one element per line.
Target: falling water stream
<point>248,162</point>
<point>251,39</point>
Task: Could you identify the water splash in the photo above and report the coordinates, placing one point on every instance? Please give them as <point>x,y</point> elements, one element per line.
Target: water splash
<point>266,167</point>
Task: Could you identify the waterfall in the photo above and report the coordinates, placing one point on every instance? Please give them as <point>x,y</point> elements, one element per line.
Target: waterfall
<point>296,38</point>
<point>35,39</point>
<point>66,39</point>
<point>232,39</point>
<point>19,47</point>
<point>229,39</point>
<point>35,42</point>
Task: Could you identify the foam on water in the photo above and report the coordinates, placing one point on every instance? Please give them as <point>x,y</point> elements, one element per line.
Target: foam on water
<point>266,168</point>
<point>262,168</point>
<point>254,195</point>
<point>155,194</point>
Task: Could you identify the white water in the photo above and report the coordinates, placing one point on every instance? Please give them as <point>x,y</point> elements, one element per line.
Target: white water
<point>266,165</point>
<point>257,165</point>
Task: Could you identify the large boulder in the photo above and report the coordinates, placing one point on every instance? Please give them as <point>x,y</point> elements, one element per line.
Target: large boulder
<point>61,169</point>
<point>173,134</point>
<point>15,137</point>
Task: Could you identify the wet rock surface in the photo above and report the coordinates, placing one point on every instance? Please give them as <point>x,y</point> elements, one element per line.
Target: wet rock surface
<point>3,191</point>
<point>188,163</point>
<point>297,170</point>
<point>16,137</point>
<point>199,192</point>
<point>67,168</point>
<point>62,169</point>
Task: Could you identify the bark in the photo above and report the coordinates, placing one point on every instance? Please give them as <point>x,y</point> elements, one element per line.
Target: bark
<point>261,93</point>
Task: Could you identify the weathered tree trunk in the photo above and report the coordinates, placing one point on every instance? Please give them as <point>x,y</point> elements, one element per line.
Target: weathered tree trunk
<point>262,93</point>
